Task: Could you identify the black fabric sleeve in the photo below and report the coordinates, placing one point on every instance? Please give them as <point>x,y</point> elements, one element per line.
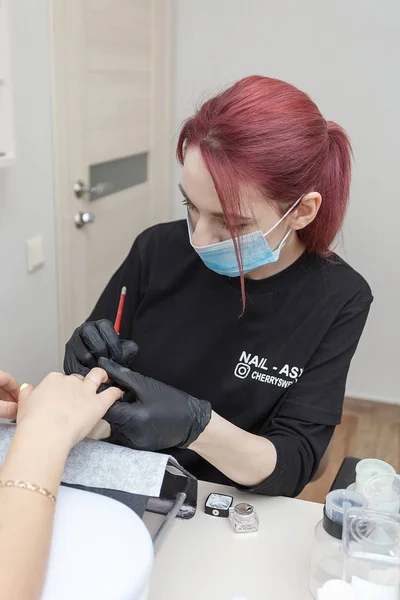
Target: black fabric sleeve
<point>128,275</point>
<point>304,423</point>
<point>300,447</point>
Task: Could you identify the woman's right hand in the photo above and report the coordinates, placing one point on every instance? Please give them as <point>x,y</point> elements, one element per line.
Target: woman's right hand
<point>66,405</point>
<point>95,339</point>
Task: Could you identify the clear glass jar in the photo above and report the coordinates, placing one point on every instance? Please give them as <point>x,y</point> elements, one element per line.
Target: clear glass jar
<point>326,559</point>
<point>243,518</point>
<point>327,556</point>
<point>371,549</point>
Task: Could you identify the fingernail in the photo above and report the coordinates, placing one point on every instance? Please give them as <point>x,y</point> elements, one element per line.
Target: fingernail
<point>23,387</point>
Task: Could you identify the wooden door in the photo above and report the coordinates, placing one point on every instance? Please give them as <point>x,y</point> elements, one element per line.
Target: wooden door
<point>112,67</point>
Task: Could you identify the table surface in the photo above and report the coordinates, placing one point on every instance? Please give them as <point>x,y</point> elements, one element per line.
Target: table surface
<point>203,559</point>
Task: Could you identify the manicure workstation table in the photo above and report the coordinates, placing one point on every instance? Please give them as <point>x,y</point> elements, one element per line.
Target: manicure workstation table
<point>101,549</point>
<point>204,559</point>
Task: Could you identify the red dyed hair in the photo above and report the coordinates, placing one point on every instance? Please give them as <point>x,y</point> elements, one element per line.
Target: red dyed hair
<point>268,134</point>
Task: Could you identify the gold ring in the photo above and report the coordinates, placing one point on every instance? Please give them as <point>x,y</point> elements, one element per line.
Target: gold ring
<point>81,377</point>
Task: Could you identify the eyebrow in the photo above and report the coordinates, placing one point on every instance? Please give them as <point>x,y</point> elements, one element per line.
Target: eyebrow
<point>218,214</point>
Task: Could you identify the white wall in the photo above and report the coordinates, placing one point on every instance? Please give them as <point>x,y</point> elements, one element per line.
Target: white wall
<point>28,303</point>
<point>346,55</point>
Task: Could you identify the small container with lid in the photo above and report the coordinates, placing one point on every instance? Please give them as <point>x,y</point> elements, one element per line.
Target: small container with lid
<point>370,467</point>
<point>327,558</point>
<point>243,518</point>
<point>383,493</point>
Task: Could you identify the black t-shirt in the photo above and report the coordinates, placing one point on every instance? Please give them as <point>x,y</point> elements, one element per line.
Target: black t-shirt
<point>278,371</point>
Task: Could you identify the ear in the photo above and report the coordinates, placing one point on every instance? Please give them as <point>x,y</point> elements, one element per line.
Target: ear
<point>306,211</point>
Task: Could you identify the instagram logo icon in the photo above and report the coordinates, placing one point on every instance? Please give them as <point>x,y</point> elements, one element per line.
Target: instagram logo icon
<point>242,370</point>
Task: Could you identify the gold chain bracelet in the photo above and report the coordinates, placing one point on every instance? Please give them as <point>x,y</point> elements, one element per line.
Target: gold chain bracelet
<point>24,485</point>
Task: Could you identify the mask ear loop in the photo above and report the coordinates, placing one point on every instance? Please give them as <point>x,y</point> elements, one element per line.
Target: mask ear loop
<point>284,217</point>
<point>283,243</point>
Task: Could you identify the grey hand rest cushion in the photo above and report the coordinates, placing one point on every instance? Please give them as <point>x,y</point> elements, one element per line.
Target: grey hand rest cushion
<point>98,464</point>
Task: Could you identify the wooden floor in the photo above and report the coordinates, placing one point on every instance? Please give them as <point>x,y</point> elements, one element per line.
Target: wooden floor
<point>368,430</point>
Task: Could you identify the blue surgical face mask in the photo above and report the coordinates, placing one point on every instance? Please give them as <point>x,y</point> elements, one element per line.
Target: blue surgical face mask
<point>254,248</point>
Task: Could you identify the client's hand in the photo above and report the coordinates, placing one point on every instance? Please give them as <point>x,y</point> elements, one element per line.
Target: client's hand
<point>9,390</point>
<point>93,340</point>
<point>67,406</point>
<point>161,417</point>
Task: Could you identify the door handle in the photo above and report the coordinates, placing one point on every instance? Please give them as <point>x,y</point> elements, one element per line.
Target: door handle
<point>83,218</point>
<point>80,189</point>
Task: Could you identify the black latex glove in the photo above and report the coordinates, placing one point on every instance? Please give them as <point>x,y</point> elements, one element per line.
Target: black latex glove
<point>93,340</point>
<point>160,417</point>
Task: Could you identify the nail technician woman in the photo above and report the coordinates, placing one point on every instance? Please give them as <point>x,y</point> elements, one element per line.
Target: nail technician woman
<point>246,322</point>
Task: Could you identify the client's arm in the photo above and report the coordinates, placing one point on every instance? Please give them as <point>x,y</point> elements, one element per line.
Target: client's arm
<point>51,419</point>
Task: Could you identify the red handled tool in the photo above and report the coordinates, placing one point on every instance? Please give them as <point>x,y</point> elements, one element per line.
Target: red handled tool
<point>118,319</point>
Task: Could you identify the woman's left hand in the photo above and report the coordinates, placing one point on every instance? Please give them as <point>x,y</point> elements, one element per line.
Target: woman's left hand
<point>161,417</point>
<point>9,390</point>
